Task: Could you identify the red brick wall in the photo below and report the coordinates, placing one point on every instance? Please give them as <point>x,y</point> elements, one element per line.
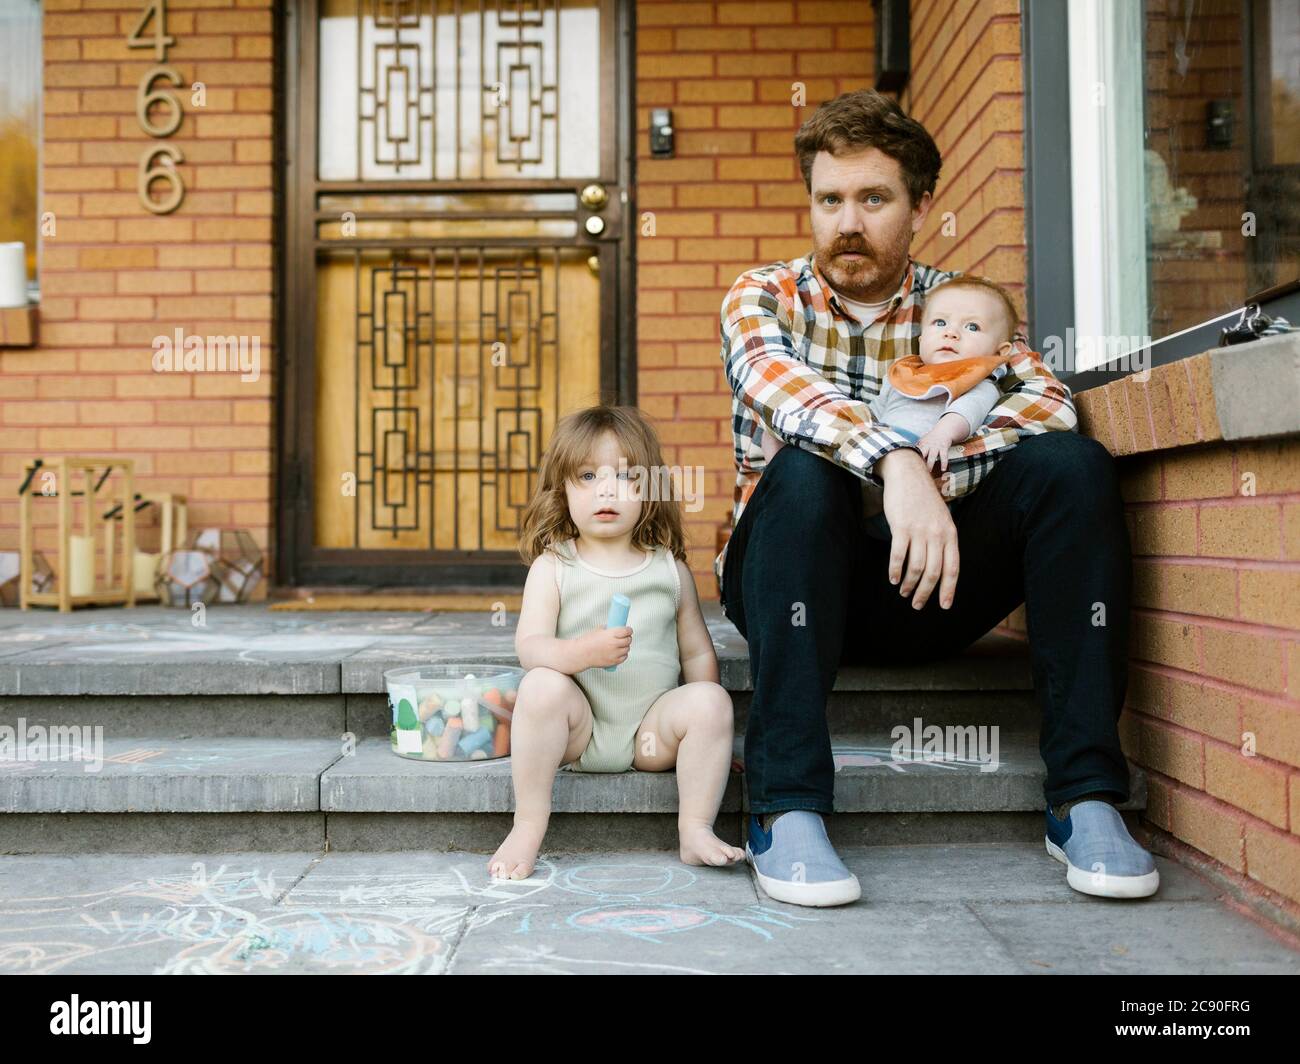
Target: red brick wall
<point>966,87</point>
<point>1216,651</point>
<point>730,199</point>
<point>1215,658</point>
<point>113,276</point>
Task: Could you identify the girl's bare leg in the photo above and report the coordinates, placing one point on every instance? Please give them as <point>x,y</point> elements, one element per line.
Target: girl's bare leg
<point>551,727</point>
<point>691,727</point>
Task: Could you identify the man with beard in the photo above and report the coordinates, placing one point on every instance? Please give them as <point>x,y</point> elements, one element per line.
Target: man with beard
<point>806,346</point>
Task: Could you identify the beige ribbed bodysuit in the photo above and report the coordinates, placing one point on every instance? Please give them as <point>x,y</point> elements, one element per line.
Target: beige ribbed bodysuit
<point>619,699</point>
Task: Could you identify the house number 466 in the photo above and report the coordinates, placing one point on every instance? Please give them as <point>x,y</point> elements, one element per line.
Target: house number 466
<point>158,164</point>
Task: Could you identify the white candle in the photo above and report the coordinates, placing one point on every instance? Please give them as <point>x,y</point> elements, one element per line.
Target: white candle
<point>13,275</point>
<point>81,575</point>
<point>145,565</point>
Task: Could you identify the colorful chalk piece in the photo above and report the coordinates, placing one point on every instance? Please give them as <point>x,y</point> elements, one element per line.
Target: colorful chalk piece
<point>448,740</point>
<point>475,740</point>
<point>619,605</point>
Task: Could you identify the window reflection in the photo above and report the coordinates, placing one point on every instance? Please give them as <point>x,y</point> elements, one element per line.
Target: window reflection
<point>1222,116</point>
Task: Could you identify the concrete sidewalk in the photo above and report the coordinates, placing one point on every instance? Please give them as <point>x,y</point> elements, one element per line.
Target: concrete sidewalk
<point>966,908</point>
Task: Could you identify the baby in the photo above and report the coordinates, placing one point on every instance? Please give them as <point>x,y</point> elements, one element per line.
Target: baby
<point>593,699</point>
<point>941,396</point>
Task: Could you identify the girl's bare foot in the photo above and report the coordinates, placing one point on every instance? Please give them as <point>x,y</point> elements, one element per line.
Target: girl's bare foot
<point>515,857</point>
<point>699,846</point>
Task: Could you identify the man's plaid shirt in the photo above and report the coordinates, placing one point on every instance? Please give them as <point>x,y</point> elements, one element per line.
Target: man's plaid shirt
<point>803,368</point>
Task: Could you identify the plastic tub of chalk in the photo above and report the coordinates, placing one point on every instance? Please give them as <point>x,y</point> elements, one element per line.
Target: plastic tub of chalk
<point>456,712</point>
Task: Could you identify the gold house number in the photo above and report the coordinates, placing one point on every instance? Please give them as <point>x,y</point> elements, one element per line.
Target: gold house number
<point>158,164</point>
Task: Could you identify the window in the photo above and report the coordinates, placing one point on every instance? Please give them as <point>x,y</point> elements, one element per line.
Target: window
<point>20,124</point>
<point>1222,155</point>
<point>1163,172</point>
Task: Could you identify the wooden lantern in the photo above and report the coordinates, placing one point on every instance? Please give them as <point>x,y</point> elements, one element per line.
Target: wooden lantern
<point>75,566</point>
<point>173,529</point>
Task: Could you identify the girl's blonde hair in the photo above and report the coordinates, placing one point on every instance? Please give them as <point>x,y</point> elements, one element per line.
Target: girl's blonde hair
<point>546,519</point>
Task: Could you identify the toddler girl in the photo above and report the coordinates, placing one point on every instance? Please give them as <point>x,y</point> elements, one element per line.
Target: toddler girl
<point>591,530</point>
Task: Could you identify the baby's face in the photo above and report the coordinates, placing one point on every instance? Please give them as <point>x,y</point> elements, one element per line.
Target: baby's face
<point>963,323</point>
<point>604,496</point>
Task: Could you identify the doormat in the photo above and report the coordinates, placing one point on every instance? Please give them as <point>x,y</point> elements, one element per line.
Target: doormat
<point>460,602</point>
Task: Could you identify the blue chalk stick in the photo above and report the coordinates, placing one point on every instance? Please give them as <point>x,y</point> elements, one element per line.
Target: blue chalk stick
<point>618,610</point>
<point>477,740</point>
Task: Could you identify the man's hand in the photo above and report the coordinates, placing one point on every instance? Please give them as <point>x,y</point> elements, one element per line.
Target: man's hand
<point>950,430</point>
<point>924,537</point>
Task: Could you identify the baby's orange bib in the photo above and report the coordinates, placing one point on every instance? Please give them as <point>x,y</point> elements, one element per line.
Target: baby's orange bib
<point>919,380</point>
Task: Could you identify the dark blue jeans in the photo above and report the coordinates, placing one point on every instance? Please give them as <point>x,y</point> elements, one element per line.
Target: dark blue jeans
<point>1045,527</point>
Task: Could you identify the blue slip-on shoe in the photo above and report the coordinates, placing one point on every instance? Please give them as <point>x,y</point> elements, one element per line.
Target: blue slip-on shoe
<point>796,863</point>
<point>1100,854</point>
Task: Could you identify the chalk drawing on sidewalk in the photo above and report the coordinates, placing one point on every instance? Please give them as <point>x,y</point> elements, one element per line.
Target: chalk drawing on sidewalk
<point>241,919</point>
<point>652,923</point>
<point>228,922</point>
<point>544,960</point>
<point>633,904</point>
<point>632,881</point>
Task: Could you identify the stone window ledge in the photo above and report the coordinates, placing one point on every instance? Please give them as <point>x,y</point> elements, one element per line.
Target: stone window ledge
<point>1246,391</point>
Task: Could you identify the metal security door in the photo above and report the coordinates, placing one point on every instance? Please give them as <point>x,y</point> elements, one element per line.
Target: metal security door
<point>457,274</point>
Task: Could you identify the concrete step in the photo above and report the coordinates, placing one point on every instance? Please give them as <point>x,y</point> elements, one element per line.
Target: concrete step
<point>115,680</point>
<point>369,715</point>
<point>260,791</point>
<point>233,734</point>
<point>216,689</point>
<point>150,774</point>
<point>243,651</point>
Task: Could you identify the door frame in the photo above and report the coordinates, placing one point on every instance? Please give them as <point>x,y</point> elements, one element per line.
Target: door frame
<point>296,309</point>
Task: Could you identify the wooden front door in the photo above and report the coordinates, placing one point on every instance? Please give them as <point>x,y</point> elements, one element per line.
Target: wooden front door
<point>457,274</point>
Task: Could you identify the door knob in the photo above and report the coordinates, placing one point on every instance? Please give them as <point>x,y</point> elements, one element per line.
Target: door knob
<point>594,197</point>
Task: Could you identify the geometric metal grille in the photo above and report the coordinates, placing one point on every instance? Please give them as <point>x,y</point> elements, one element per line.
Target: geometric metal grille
<point>458,385</point>
<point>396,93</point>
<point>458,89</point>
